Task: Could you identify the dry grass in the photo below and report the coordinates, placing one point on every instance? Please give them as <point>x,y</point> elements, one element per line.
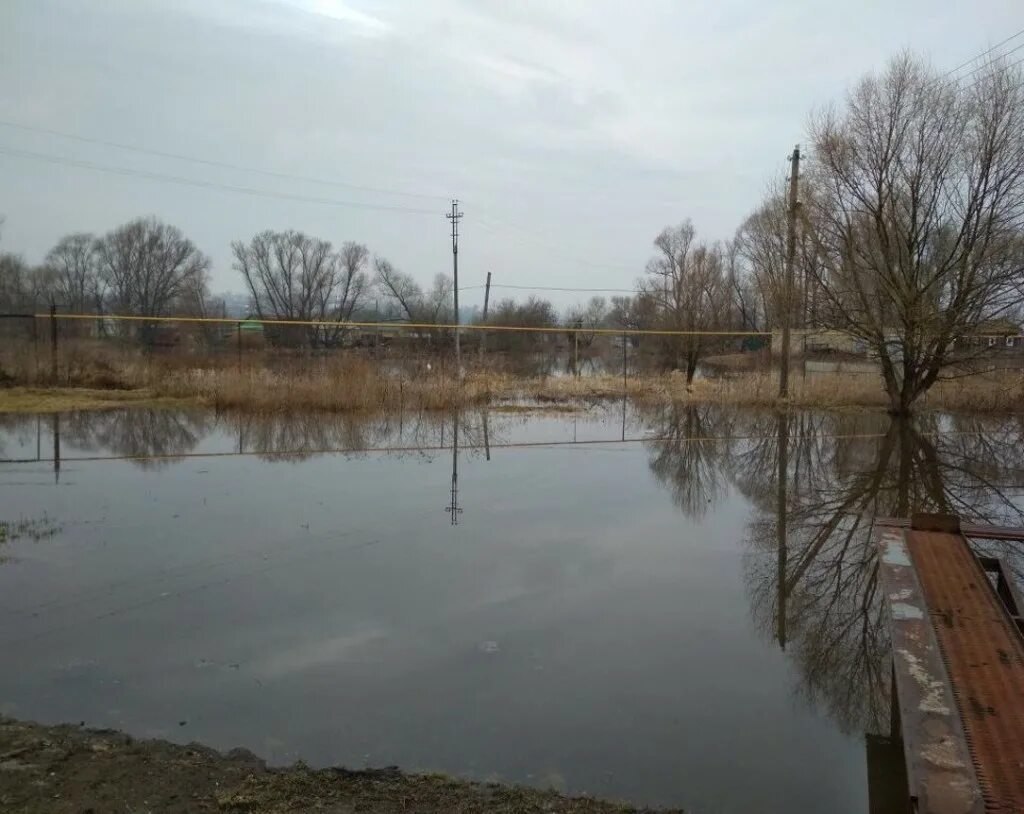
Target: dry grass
<point>63,399</point>
<point>93,376</point>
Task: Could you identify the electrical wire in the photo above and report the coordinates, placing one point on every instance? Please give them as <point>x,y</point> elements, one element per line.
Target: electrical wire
<point>983,79</point>
<point>210,163</point>
<point>984,53</point>
<point>178,179</point>
<point>565,288</point>
<point>985,65</point>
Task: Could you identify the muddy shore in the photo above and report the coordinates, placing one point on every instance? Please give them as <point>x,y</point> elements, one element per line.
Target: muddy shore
<point>65,769</point>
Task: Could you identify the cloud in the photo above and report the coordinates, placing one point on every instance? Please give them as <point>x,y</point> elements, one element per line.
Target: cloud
<point>362,23</point>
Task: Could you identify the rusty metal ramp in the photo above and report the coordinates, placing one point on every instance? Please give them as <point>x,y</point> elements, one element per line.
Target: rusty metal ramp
<point>958,666</point>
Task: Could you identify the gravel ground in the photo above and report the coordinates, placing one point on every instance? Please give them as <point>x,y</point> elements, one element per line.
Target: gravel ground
<point>73,770</point>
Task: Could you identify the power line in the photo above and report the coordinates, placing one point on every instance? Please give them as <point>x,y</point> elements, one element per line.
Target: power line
<point>552,250</point>
<point>177,179</point>
<point>211,163</point>
<point>984,53</point>
<point>986,65</point>
<point>566,289</point>
<point>982,79</point>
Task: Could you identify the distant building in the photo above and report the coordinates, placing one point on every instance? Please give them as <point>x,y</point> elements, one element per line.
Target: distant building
<point>998,335</point>
<point>804,341</point>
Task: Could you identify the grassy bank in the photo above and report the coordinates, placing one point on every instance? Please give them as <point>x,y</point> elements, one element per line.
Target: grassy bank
<point>60,769</point>
<point>349,383</point>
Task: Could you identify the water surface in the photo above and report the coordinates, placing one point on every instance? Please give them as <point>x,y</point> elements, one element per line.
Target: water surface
<point>604,601</point>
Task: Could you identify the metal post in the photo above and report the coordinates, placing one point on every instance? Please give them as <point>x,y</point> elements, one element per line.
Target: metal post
<point>56,447</point>
<point>238,343</point>
<point>623,417</point>
<point>53,342</point>
<point>576,353</point>
<point>624,386</point>
<point>35,344</point>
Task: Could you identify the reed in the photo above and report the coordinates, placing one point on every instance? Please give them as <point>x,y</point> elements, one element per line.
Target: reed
<point>93,375</point>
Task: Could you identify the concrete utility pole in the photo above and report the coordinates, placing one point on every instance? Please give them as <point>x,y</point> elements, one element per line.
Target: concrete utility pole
<point>453,510</point>
<point>787,282</point>
<point>483,334</point>
<point>782,518</point>
<point>455,216</point>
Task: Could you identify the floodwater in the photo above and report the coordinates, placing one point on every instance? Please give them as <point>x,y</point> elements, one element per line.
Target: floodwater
<point>604,602</point>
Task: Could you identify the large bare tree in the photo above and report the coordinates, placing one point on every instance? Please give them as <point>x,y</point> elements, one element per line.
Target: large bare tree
<point>687,280</point>
<point>147,267</point>
<point>917,214</point>
<point>292,276</point>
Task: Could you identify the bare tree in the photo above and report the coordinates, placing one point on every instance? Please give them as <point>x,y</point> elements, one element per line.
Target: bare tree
<point>639,312</point>
<point>918,214</point>
<point>687,280</point>
<point>761,241</point>
<point>742,289</point>
<point>534,312</point>
<point>412,302</point>
<point>584,320</point>
<point>147,267</point>
<point>16,289</point>
<point>352,282</point>
<point>292,276</point>
<point>74,265</point>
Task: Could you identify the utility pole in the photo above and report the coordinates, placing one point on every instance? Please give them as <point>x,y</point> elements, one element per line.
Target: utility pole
<point>483,334</point>
<point>781,519</point>
<point>454,510</point>
<point>787,282</point>
<point>455,216</point>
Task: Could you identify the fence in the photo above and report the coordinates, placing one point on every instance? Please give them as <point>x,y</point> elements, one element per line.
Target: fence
<point>57,347</point>
<point>94,350</point>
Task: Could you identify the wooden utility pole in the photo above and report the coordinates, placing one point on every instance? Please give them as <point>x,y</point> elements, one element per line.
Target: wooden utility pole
<point>455,216</point>
<point>787,281</point>
<point>483,334</point>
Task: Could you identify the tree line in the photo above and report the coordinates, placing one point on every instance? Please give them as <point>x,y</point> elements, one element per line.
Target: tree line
<point>909,230</point>
<point>909,235</point>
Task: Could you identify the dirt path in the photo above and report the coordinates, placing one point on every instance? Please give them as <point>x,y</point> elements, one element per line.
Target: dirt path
<point>69,769</point>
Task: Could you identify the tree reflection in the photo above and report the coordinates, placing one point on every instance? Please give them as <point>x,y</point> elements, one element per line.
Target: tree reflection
<point>688,452</point>
<point>826,593</point>
<point>152,437</point>
<point>818,482</point>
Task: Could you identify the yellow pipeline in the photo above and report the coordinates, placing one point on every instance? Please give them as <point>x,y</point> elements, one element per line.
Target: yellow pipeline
<point>404,325</point>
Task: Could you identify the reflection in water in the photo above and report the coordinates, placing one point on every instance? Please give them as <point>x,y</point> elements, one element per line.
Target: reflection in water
<point>453,508</point>
<point>824,588</point>
<point>155,438</point>
<point>56,447</point>
<point>818,481</point>
<point>689,452</point>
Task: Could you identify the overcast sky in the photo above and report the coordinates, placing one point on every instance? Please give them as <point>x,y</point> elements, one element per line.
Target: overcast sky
<point>572,131</point>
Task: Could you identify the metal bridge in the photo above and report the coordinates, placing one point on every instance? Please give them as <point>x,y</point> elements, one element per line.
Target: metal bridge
<point>958,666</point>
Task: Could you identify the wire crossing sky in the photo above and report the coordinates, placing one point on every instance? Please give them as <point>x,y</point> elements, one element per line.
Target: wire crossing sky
<point>571,133</point>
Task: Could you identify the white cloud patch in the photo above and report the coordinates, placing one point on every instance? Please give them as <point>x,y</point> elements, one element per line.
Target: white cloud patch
<point>361,22</point>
